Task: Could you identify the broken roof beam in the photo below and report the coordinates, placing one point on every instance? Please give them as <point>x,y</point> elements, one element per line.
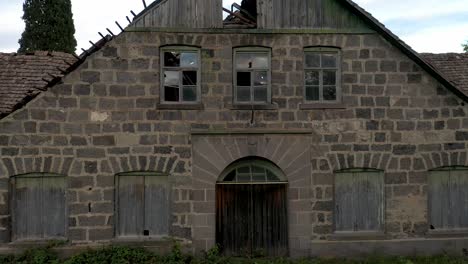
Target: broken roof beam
<point>243,11</point>
<point>245,20</point>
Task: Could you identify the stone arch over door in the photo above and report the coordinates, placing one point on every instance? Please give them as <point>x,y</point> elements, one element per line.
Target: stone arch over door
<point>252,209</point>
<point>213,153</point>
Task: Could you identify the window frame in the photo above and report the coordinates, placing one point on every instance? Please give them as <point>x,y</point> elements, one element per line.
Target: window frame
<point>282,179</point>
<point>163,68</point>
<point>440,230</point>
<point>253,49</point>
<point>339,93</point>
<point>13,181</point>
<point>141,237</point>
<point>361,234</point>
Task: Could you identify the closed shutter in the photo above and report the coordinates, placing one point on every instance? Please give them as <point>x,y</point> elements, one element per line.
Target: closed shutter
<point>448,198</point>
<point>359,200</point>
<point>39,207</point>
<point>142,205</point>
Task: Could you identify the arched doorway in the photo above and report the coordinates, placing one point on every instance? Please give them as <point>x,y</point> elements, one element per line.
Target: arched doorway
<point>251,209</point>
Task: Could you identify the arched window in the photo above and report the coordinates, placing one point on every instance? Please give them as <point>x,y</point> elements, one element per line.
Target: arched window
<point>251,171</point>
<point>448,198</point>
<point>39,206</point>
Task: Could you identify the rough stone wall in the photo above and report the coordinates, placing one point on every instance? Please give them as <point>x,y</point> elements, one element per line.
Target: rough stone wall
<point>105,119</point>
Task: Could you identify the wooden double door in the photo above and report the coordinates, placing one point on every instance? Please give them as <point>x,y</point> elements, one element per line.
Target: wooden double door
<point>251,219</point>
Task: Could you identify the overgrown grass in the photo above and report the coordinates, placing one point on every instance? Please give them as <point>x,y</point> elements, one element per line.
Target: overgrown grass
<point>126,255</point>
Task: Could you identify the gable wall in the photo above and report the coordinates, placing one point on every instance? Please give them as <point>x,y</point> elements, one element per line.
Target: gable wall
<point>311,14</point>
<point>183,14</point>
<point>104,120</point>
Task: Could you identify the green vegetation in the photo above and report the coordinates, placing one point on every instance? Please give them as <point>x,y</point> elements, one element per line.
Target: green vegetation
<point>49,26</point>
<point>126,255</point>
<point>465,47</point>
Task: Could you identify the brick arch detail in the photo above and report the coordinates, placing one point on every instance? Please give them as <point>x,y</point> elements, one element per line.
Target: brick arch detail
<point>340,161</point>
<point>215,154</point>
<point>212,154</point>
<point>22,165</point>
<point>435,160</point>
<point>157,163</point>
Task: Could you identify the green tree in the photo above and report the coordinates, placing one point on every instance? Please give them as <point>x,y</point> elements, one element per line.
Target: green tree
<point>465,47</point>
<point>49,26</point>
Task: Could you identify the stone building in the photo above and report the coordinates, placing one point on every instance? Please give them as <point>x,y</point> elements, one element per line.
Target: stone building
<point>307,129</point>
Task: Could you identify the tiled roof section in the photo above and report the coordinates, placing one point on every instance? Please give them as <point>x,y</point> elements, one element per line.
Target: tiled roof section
<point>24,76</point>
<point>454,66</point>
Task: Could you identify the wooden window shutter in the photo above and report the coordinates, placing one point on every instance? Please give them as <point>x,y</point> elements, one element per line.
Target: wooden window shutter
<point>359,200</point>
<point>39,207</point>
<point>448,198</point>
<point>142,205</point>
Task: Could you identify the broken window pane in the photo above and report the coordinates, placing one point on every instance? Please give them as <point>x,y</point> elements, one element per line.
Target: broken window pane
<point>245,60</point>
<point>243,79</point>
<point>312,78</point>
<point>329,93</point>
<point>261,78</point>
<point>171,93</point>
<point>243,94</point>
<point>189,78</point>
<point>189,59</point>
<point>260,60</point>
<point>329,77</point>
<point>260,94</point>
<point>329,61</point>
<point>171,59</point>
<point>189,93</point>
<point>312,93</point>
<point>312,60</point>
<point>171,78</point>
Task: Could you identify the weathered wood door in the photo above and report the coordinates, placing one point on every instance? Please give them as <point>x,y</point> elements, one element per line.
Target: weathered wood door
<point>252,219</point>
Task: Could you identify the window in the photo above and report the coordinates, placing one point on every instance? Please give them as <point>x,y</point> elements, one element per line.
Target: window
<point>359,200</point>
<point>448,198</point>
<point>252,170</point>
<point>142,200</point>
<point>180,76</point>
<point>252,76</point>
<point>322,75</point>
<point>39,207</point>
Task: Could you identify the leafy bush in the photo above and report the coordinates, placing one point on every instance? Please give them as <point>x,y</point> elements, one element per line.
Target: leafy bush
<point>128,255</point>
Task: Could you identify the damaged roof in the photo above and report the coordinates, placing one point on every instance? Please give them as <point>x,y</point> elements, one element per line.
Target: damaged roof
<point>23,77</point>
<point>454,67</point>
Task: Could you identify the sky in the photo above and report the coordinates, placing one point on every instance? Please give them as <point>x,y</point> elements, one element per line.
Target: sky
<point>426,25</point>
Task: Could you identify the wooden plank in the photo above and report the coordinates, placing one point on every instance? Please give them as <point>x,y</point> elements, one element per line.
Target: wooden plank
<point>311,14</point>
<point>269,220</point>
<point>130,206</point>
<point>54,215</point>
<point>28,209</point>
<point>344,202</point>
<point>157,203</point>
<point>440,199</point>
<point>359,201</point>
<point>458,197</point>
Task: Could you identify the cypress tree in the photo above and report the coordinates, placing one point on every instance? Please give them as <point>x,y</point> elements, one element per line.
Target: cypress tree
<point>49,26</point>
